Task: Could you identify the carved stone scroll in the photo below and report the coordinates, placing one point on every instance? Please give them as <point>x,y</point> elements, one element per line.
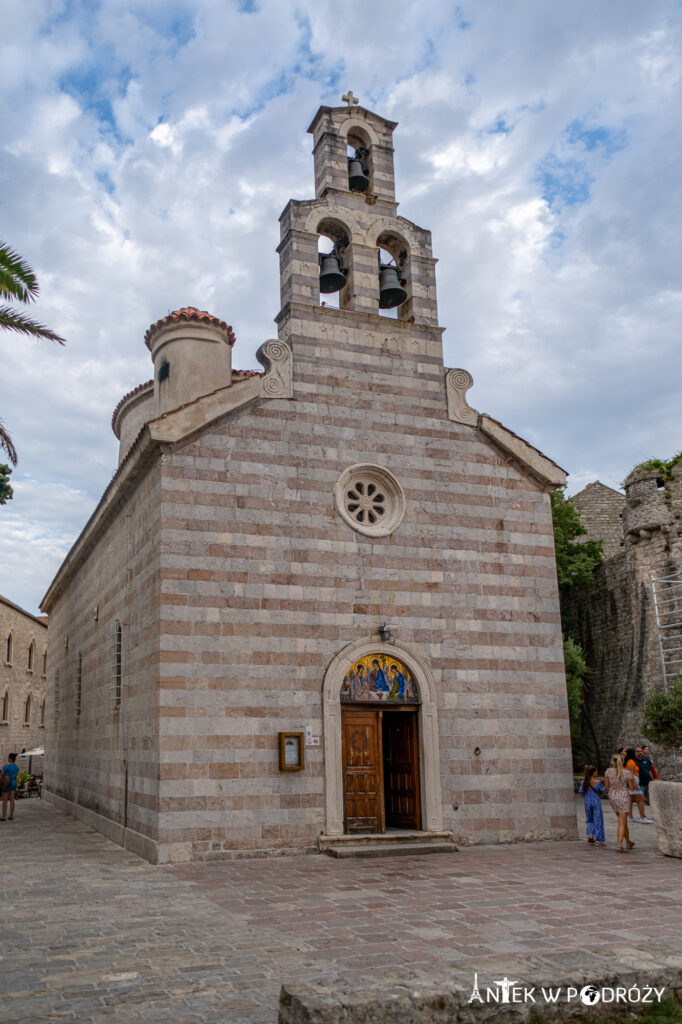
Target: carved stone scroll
<point>457,383</point>
<point>277,358</point>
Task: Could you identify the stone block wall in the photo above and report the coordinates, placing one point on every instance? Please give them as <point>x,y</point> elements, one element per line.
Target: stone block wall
<point>263,583</point>
<point>19,731</point>
<point>601,513</point>
<point>105,758</point>
<point>613,618</point>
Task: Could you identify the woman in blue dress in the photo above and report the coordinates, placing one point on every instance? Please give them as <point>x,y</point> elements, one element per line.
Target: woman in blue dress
<point>591,787</point>
<point>11,771</point>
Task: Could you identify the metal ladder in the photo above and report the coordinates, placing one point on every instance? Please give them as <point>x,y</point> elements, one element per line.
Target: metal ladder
<point>667,593</point>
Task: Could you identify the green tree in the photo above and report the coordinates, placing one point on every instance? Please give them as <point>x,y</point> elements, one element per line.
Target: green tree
<point>6,491</point>
<point>575,561</point>
<point>18,283</point>
<point>663,715</point>
<point>577,674</point>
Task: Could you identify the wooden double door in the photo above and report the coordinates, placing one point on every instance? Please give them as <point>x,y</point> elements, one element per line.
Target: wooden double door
<point>380,769</point>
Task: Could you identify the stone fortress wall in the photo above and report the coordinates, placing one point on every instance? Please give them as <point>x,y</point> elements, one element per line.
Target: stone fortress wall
<point>613,617</point>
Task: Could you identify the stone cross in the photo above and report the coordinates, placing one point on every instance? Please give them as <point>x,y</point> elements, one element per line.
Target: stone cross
<point>350,99</point>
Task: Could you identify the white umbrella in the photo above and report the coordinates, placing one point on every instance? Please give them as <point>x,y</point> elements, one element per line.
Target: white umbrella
<point>37,752</point>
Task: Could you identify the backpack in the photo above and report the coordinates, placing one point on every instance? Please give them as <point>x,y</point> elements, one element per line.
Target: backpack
<point>5,783</point>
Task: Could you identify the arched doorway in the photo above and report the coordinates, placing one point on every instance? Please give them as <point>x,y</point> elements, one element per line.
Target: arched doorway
<point>381,741</point>
<point>380,745</point>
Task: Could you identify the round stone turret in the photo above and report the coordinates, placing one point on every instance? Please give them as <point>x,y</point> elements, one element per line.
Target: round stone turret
<point>192,355</point>
<point>131,414</point>
<point>647,503</point>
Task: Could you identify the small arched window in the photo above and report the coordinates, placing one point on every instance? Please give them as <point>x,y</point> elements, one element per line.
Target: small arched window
<point>9,647</point>
<point>42,713</point>
<point>5,707</point>
<point>31,654</point>
<point>27,710</point>
<point>44,671</point>
<point>56,697</point>
<point>78,693</point>
<point>116,663</point>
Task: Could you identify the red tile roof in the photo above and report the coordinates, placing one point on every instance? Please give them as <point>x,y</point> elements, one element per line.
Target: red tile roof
<point>186,314</point>
<point>140,387</point>
<point>248,373</point>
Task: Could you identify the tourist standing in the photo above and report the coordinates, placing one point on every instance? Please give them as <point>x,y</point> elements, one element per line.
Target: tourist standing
<point>591,787</point>
<point>645,765</point>
<point>619,782</point>
<point>647,751</point>
<point>11,772</point>
<point>632,765</point>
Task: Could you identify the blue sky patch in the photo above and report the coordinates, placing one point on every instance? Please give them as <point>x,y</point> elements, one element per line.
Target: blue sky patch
<point>105,181</point>
<point>499,127</point>
<point>610,140</point>
<point>569,169</point>
<point>174,22</point>
<point>94,90</point>
<point>564,182</point>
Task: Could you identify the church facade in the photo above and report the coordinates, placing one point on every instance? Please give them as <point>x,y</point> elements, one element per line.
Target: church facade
<point>317,602</point>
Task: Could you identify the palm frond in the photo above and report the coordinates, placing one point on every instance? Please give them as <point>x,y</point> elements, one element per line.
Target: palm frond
<point>17,280</point>
<point>14,321</point>
<point>7,444</point>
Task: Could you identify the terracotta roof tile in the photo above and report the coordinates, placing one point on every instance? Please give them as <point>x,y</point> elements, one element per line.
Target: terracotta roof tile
<point>140,387</point>
<point>185,314</point>
<point>248,373</point>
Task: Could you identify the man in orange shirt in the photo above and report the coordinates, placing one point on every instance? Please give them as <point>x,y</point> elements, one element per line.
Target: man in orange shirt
<point>637,794</point>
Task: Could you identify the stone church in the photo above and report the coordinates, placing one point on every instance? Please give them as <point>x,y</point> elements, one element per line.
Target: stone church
<point>317,605</point>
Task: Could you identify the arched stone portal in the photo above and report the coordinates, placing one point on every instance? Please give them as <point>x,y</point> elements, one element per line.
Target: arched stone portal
<point>432,812</point>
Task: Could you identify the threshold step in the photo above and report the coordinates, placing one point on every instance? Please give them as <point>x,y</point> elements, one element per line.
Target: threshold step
<point>388,849</point>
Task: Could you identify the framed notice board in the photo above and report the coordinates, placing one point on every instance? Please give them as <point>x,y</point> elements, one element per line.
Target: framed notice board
<point>291,752</point>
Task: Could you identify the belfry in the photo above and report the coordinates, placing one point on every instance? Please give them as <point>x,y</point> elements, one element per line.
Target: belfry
<point>316,608</point>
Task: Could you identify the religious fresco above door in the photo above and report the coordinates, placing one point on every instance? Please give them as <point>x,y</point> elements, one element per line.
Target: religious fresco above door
<point>377,678</point>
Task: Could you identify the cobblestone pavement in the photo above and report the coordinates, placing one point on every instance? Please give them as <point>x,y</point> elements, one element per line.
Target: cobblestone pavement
<point>92,933</point>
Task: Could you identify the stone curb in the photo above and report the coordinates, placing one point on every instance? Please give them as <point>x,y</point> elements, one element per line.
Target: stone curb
<point>426,999</point>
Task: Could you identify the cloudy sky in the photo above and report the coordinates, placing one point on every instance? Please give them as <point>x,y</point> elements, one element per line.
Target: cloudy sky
<point>149,146</point>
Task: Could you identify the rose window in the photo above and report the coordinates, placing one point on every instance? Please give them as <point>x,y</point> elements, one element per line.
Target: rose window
<point>365,502</point>
<point>370,499</point>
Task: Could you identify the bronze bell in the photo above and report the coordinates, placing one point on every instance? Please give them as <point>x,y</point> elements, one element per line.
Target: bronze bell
<point>332,278</point>
<point>358,179</point>
<point>391,292</point>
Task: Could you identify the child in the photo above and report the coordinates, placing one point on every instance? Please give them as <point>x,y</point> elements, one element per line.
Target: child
<point>591,786</point>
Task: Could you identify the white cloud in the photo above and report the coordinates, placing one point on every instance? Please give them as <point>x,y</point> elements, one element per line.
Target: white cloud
<point>148,151</point>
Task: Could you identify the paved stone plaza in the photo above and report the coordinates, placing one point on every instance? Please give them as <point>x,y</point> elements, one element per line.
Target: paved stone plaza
<point>91,933</point>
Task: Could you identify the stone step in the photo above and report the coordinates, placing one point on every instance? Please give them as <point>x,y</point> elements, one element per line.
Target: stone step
<point>395,849</point>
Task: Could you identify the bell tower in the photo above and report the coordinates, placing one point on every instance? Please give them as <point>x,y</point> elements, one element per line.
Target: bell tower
<point>335,130</point>
<point>379,260</point>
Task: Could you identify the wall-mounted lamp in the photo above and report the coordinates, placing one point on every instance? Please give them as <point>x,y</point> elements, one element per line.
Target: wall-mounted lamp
<point>384,633</point>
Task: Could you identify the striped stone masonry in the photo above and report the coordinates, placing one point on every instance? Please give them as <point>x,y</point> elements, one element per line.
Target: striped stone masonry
<point>220,550</point>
